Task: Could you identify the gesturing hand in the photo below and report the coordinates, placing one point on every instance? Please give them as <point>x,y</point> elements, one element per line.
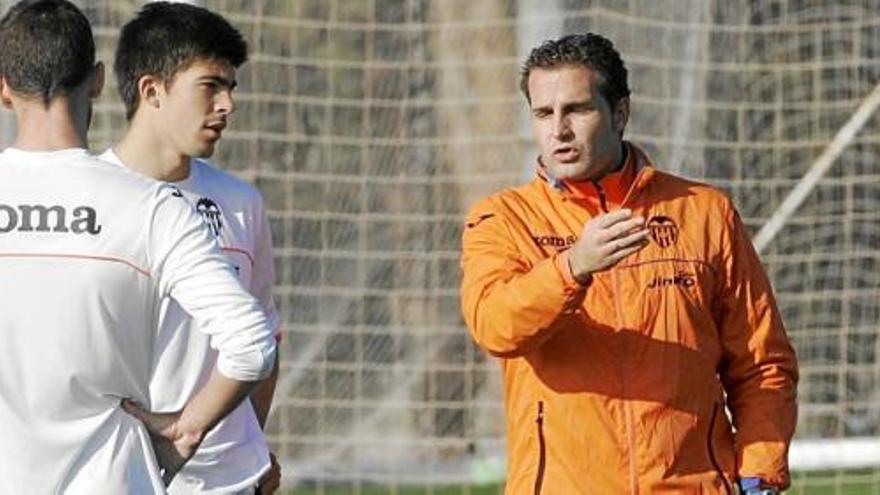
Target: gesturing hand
<point>172,444</point>
<point>605,240</point>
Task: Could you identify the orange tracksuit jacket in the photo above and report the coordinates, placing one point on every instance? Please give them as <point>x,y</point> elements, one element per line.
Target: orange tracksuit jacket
<point>620,387</point>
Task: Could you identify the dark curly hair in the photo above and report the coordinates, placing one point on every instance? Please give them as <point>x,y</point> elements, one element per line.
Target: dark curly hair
<point>589,50</point>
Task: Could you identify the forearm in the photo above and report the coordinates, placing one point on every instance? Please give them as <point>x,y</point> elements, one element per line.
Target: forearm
<point>213,402</point>
<point>511,317</point>
<point>760,379</point>
<point>177,435</point>
<point>764,411</point>
<point>262,395</point>
<point>513,303</point>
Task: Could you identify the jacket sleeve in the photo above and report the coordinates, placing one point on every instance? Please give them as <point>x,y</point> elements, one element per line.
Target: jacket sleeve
<point>759,368</point>
<point>510,305</point>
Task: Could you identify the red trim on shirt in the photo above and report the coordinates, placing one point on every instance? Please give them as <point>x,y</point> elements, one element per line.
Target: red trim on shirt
<point>140,270</point>
<point>242,251</point>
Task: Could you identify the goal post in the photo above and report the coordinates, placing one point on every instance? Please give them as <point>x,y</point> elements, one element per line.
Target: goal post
<point>866,110</point>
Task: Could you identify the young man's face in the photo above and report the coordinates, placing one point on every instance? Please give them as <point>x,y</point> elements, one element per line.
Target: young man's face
<point>578,133</point>
<point>196,105</point>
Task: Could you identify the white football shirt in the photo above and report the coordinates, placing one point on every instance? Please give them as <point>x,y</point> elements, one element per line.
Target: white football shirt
<point>88,251</point>
<point>234,454</point>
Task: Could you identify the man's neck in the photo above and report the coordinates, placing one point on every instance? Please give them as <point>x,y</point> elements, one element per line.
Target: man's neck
<point>624,153</point>
<point>143,152</point>
<point>49,128</point>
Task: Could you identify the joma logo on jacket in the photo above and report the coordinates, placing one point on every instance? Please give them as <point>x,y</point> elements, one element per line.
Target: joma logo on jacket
<point>554,240</point>
<point>42,218</point>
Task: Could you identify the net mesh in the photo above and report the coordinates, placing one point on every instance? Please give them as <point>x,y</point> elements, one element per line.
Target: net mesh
<point>370,126</point>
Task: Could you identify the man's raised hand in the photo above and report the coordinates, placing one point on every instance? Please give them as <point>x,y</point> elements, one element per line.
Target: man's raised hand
<point>604,241</point>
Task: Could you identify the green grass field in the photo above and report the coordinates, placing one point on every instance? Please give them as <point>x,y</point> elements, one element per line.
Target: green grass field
<point>866,482</point>
<point>452,490</point>
<point>842,489</point>
<point>835,488</point>
<point>856,482</point>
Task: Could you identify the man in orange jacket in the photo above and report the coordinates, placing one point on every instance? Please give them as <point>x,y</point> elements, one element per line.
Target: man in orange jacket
<point>641,348</point>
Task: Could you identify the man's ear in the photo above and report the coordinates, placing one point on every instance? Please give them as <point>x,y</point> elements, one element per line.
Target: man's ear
<point>5,93</point>
<point>621,115</point>
<point>150,88</point>
<point>97,81</point>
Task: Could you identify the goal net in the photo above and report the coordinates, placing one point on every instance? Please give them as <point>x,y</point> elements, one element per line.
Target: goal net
<point>370,126</point>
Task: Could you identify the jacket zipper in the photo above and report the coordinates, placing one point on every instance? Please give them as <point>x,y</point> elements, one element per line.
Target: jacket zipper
<point>712,459</point>
<point>627,407</point>
<point>603,200</point>
<point>627,410</point>
<point>542,449</point>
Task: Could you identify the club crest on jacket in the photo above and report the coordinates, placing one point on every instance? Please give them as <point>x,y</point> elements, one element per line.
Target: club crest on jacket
<point>664,231</point>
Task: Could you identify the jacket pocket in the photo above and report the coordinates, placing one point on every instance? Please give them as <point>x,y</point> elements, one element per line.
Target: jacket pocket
<point>712,458</point>
<point>542,449</point>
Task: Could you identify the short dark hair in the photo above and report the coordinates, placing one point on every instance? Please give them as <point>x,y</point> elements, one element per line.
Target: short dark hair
<point>46,48</point>
<point>165,38</point>
<point>589,50</point>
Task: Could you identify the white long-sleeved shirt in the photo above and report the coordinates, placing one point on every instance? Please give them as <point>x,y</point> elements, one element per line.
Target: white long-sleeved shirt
<point>88,251</point>
<point>234,454</point>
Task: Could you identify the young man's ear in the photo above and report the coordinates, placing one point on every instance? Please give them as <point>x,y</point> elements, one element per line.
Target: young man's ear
<point>97,81</point>
<point>621,115</point>
<point>150,88</point>
<point>5,93</point>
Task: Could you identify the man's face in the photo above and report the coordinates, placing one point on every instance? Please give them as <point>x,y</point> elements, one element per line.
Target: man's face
<point>578,133</point>
<point>196,105</point>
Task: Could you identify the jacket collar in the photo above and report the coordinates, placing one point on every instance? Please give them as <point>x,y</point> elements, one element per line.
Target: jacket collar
<point>611,191</point>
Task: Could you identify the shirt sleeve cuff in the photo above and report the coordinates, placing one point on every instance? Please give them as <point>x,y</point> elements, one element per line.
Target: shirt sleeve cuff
<point>564,268</point>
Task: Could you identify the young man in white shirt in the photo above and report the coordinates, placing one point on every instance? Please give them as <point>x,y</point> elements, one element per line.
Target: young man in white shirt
<point>175,67</point>
<point>88,251</point>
